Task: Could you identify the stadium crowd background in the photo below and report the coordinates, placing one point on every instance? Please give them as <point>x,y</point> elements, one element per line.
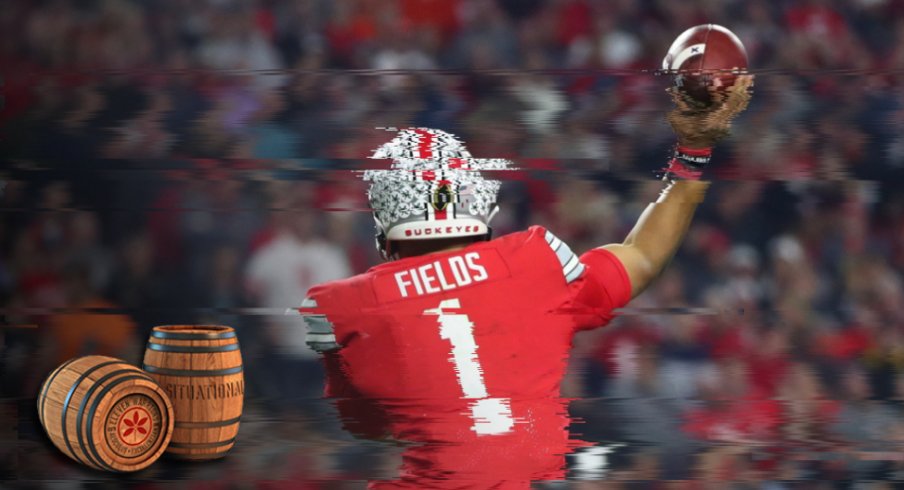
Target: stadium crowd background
<point>186,161</point>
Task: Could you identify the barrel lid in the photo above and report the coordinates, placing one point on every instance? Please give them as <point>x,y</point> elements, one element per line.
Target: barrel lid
<point>193,332</point>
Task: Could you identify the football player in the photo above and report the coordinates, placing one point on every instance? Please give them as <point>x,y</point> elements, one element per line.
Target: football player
<point>458,343</point>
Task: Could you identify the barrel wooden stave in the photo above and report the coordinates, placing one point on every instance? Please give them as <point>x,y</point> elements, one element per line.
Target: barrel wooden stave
<point>204,379</point>
<point>81,406</point>
<point>42,395</point>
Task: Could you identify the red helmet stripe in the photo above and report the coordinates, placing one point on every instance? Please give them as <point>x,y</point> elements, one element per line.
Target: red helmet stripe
<point>456,163</point>
<point>424,146</point>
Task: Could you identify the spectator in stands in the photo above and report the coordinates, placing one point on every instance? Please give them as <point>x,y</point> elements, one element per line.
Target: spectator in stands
<point>280,272</point>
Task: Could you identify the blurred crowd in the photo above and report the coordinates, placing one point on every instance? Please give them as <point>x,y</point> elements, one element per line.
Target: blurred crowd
<point>189,161</point>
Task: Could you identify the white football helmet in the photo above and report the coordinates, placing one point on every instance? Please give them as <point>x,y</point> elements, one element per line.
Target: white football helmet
<point>433,190</point>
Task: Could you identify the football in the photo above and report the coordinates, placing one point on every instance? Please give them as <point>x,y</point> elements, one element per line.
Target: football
<point>707,55</point>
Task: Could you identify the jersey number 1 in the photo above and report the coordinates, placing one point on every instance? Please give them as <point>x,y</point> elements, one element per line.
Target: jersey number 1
<point>490,415</point>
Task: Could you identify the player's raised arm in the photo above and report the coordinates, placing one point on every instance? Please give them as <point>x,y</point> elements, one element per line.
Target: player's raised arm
<point>653,241</point>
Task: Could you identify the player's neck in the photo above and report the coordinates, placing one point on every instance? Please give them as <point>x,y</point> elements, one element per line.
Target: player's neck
<point>415,248</point>
<point>451,248</point>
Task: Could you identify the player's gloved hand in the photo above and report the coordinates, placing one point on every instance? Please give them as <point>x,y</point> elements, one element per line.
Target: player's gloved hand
<point>698,129</point>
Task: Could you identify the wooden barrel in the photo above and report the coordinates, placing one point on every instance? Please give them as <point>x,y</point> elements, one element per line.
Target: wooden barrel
<point>200,368</point>
<point>105,413</point>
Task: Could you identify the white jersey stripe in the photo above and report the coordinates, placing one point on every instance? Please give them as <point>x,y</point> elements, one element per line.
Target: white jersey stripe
<point>323,346</point>
<point>318,324</point>
<point>576,273</point>
<point>572,263</point>
<point>320,338</point>
<point>566,256</point>
<point>572,268</point>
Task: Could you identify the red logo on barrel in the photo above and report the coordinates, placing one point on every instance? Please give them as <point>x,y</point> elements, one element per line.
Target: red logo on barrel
<point>134,426</point>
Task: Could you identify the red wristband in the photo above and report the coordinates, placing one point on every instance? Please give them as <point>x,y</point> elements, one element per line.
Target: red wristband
<point>687,163</point>
<point>697,152</point>
<point>693,157</point>
<point>679,170</point>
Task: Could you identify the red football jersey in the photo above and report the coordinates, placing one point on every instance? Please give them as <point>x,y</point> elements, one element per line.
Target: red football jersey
<point>463,352</point>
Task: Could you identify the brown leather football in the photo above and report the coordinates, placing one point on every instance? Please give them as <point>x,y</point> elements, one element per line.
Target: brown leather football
<point>703,56</point>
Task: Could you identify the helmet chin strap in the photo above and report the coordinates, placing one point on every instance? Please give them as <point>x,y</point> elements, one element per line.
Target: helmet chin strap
<point>388,254</point>
<point>380,240</point>
<point>492,213</point>
<point>489,235</point>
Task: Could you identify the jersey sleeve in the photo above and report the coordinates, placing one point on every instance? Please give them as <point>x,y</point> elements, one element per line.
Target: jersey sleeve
<point>319,333</point>
<point>598,283</point>
<point>603,288</point>
<point>321,338</point>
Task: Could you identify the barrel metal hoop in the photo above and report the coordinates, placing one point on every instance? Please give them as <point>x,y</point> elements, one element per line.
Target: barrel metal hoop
<point>200,445</point>
<point>191,372</point>
<point>69,398</point>
<point>192,336</point>
<point>94,405</point>
<point>205,425</point>
<point>47,386</point>
<point>192,349</point>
